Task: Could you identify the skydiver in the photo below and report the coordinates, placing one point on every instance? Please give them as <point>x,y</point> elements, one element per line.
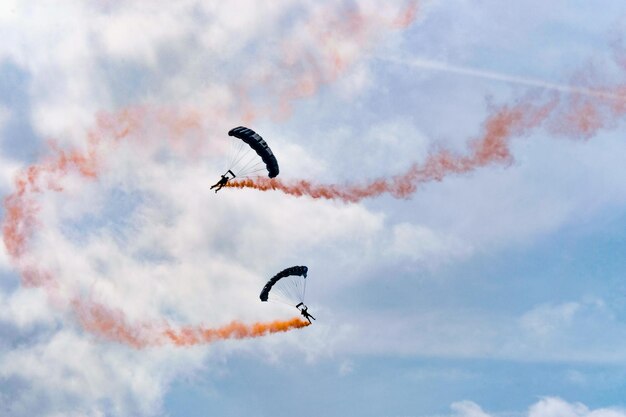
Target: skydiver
<point>223,181</point>
<point>305,313</point>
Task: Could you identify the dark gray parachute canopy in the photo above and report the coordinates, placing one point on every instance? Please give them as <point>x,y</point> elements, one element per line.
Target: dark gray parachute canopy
<point>256,142</point>
<point>287,286</point>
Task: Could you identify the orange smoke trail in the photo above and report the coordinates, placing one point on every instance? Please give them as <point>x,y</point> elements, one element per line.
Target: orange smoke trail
<point>491,147</point>
<point>108,323</point>
<point>112,325</point>
<point>189,336</point>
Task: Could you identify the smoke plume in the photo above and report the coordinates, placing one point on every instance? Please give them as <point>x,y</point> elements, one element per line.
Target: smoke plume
<point>112,325</point>
<point>491,147</point>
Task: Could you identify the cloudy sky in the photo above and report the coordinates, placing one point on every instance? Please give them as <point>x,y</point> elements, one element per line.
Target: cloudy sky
<point>477,270</point>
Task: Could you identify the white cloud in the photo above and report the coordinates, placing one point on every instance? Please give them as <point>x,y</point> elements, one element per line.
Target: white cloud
<point>26,308</point>
<point>496,207</point>
<point>71,373</point>
<point>424,245</point>
<point>8,9</point>
<point>183,254</point>
<point>546,407</point>
<point>147,237</point>
<point>8,167</point>
<point>556,407</point>
<point>584,331</point>
<point>545,319</point>
<point>355,82</point>
<point>346,368</point>
<point>468,409</point>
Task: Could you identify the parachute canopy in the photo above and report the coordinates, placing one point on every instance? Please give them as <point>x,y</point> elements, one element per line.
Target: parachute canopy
<point>244,163</point>
<point>288,286</point>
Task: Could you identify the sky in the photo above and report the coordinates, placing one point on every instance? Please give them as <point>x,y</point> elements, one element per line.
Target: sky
<point>451,173</point>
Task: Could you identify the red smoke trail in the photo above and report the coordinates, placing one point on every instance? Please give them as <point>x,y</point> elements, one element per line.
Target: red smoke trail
<point>491,147</point>
<point>112,325</point>
<point>22,207</point>
<point>317,53</point>
<point>407,17</point>
<point>581,116</point>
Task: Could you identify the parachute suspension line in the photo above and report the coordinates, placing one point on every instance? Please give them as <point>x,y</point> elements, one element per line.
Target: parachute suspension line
<point>276,300</point>
<point>231,152</point>
<point>256,167</point>
<point>289,290</point>
<point>249,173</point>
<point>238,159</point>
<point>252,160</point>
<point>242,162</point>
<point>239,156</point>
<point>235,150</point>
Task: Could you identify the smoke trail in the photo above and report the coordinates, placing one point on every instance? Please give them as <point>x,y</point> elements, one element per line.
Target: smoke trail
<point>408,15</point>
<point>22,207</point>
<point>581,112</point>
<point>316,53</point>
<point>189,336</point>
<point>491,147</point>
<point>112,325</point>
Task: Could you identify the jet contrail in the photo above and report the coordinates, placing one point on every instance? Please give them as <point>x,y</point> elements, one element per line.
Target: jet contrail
<point>497,76</point>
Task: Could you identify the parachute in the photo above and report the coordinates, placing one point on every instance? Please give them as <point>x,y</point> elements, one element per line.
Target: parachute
<point>242,162</point>
<point>288,286</point>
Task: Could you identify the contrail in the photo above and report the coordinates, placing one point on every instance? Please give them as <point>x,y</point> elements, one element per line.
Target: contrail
<point>497,76</point>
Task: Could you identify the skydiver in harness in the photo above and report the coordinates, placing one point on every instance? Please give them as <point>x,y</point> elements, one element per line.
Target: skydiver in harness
<point>305,312</point>
<point>223,181</point>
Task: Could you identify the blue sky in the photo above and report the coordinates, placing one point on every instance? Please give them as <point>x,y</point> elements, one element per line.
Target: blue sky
<point>498,292</point>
